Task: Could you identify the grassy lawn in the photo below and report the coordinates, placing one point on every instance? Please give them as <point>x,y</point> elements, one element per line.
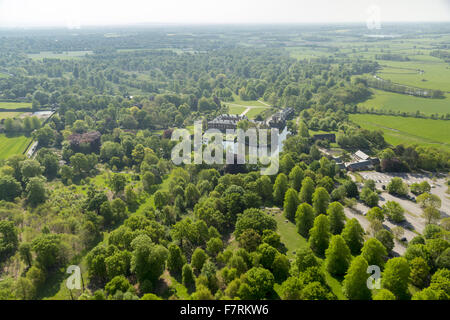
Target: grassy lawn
<point>383,100</point>
<point>249,103</point>
<point>293,242</point>
<point>408,131</point>
<point>12,145</point>
<point>253,113</point>
<point>236,109</point>
<point>436,73</point>
<point>6,115</point>
<point>14,105</point>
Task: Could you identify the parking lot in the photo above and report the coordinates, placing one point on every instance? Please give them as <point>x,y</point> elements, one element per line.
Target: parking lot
<point>413,213</point>
<point>384,178</point>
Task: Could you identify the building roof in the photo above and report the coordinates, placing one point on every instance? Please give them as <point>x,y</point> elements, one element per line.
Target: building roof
<point>361,155</point>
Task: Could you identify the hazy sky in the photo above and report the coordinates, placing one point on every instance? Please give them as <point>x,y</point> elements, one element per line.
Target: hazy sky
<point>74,13</point>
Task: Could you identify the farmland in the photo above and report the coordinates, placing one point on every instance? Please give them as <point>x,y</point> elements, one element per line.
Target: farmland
<point>6,115</point>
<point>12,145</point>
<point>14,105</point>
<point>402,130</point>
<point>383,100</point>
<point>434,73</point>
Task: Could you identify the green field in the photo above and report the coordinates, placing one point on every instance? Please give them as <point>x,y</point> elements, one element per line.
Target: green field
<point>6,115</point>
<point>14,105</point>
<point>253,113</point>
<point>407,130</point>
<point>293,242</point>
<point>12,145</point>
<point>236,109</point>
<point>383,100</point>
<point>434,74</point>
<point>245,103</point>
<point>59,55</point>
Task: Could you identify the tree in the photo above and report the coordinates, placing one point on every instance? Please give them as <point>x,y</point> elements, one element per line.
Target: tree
<point>353,234</point>
<point>375,214</point>
<point>9,240</point>
<point>396,276</point>
<point>291,289</point>
<point>175,260</point>
<point>148,180</point>
<point>280,268</point>
<point>369,197</point>
<point>279,188</point>
<point>35,190</point>
<point>148,260</point>
<point>296,177</point>
<point>30,169</point>
<point>374,252</point>
<point>355,281</point>
<point>118,264</point>
<point>386,238</point>
<point>420,272</point>
<point>304,218</point>
<point>25,253</point>
<point>305,259</point>
<point>202,293</point>
<point>24,289</point>
<point>249,240</point>
<point>336,216</point>
<point>337,256</point>
<point>319,235</point>
<point>119,283</point>
<point>307,190</point>
<point>45,136</point>
<point>316,291</point>
<point>397,187</point>
<point>198,259</point>
<point>118,182</point>
<point>351,189</point>
<point>191,195</point>
<point>188,278</point>
<point>255,219</point>
<point>394,211</point>
<point>10,188</point>
<point>50,161</point>
<point>430,204</point>
<point>48,250</point>
<point>383,294</point>
<point>290,204</point>
<point>214,246</point>
<point>260,282</point>
<point>321,200</point>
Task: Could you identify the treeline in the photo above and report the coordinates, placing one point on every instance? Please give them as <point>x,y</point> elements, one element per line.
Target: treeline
<point>441,54</point>
<point>18,125</point>
<point>387,85</point>
<point>391,57</point>
<point>417,114</point>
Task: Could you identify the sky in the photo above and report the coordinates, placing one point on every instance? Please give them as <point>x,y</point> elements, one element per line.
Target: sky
<point>79,13</point>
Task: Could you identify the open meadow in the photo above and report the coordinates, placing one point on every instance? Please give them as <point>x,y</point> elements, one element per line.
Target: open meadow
<point>12,145</point>
<point>384,100</point>
<point>14,105</point>
<point>407,130</point>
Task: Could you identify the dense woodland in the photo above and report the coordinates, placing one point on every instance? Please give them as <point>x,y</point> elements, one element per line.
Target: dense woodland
<point>102,192</point>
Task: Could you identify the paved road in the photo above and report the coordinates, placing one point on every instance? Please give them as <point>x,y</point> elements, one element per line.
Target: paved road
<point>357,212</point>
